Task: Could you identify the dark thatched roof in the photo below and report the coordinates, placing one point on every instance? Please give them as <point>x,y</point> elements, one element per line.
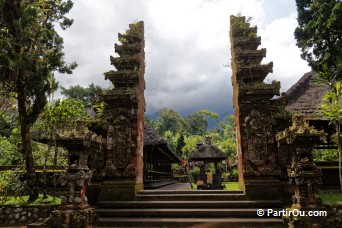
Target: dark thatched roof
<point>208,152</point>
<point>151,137</point>
<point>305,96</point>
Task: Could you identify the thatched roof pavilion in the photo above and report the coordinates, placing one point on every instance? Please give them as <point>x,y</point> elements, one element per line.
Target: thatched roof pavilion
<point>305,97</point>
<point>157,160</point>
<point>208,153</point>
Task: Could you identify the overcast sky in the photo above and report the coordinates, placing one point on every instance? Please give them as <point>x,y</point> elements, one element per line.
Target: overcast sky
<point>186,44</point>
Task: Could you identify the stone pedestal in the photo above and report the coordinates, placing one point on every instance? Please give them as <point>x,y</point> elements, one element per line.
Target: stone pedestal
<point>69,216</point>
<point>119,190</point>
<point>266,189</point>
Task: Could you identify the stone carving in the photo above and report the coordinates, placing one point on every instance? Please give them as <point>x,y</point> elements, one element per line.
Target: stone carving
<point>256,138</point>
<point>300,139</point>
<point>254,110</point>
<point>122,143</point>
<point>80,144</point>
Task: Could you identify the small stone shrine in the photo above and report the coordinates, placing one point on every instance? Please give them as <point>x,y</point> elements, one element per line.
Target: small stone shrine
<point>74,210</point>
<point>299,141</point>
<point>208,153</point>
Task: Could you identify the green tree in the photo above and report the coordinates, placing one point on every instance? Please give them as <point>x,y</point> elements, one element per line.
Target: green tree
<point>197,123</point>
<point>8,114</point>
<point>332,109</point>
<point>319,32</point>
<point>190,146</point>
<point>224,137</point>
<point>61,115</point>
<point>31,50</point>
<point>171,139</point>
<point>170,120</point>
<point>179,145</point>
<point>86,95</point>
<point>8,151</point>
<point>151,122</point>
<point>325,155</point>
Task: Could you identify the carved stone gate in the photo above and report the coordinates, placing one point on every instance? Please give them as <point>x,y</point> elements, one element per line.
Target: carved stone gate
<point>123,119</point>
<point>274,137</point>
<point>255,114</point>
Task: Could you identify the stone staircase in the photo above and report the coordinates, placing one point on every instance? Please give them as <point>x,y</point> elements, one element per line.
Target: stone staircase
<point>187,208</point>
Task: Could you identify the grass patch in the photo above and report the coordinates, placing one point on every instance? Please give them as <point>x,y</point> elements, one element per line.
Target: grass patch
<point>231,185</point>
<point>331,198</point>
<point>23,200</point>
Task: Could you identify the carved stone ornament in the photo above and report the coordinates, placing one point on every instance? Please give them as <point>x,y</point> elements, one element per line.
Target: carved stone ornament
<point>256,138</point>
<point>122,143</point>
<point>75,180</point>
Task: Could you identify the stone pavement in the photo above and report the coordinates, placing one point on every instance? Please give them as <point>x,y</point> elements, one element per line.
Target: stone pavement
<point>177,186</point>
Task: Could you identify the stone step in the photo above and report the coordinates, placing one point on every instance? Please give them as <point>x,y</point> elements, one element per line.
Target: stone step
<point>190,222</point>
<point>191,197</point>
<point>180,213</point>
<point>195,192</point>
<point>192,204</point>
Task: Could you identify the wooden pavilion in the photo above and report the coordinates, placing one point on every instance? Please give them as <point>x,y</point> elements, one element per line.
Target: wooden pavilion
<point>208,153</point>
<point>157,160</point>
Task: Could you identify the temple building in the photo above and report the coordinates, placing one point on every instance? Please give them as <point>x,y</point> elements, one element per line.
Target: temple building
<point>157,160</point>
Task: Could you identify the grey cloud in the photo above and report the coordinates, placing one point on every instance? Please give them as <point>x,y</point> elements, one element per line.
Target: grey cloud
<point>184,71</point>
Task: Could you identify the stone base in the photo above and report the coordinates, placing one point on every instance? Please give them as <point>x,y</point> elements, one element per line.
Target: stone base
<point>93,192</point>
<point>267,190</point>
<point>65,217</point>
<point>310,221</point>
<point>119,190</point>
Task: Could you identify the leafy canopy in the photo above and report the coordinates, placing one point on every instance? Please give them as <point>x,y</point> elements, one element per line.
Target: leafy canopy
<point>31,50</point>
<point>86,95</point>
<point>319,32</point>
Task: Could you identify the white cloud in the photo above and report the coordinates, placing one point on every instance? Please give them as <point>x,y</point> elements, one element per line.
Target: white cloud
<point>281,47</point>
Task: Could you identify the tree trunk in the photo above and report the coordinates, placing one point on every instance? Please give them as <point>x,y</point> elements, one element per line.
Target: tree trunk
<point>26,149</point>
<point>44,171</point>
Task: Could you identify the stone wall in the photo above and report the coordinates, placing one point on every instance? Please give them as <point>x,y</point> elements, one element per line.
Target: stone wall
<point>16,215</point>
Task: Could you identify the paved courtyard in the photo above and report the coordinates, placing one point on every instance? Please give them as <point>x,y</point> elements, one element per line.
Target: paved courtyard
<point>176,186</point>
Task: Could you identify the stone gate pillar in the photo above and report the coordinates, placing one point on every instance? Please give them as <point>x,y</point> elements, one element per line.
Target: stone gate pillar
<point>254,111</point>
<point>124,118</point>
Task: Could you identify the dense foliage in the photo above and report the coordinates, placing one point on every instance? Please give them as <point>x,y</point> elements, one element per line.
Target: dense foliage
<point>319,32</point>
<point>183,134</point>
<point>31,50</point>
<point>87,95</point>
